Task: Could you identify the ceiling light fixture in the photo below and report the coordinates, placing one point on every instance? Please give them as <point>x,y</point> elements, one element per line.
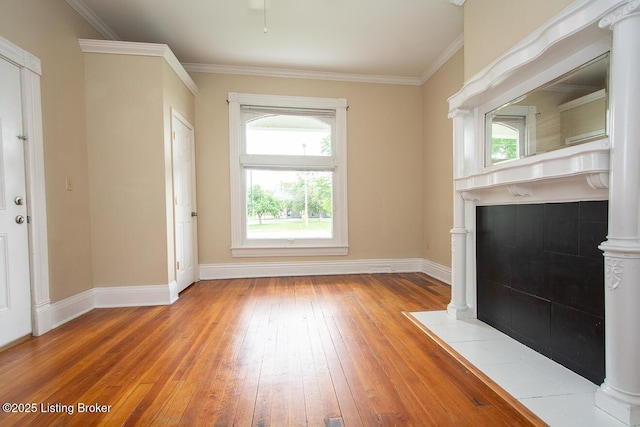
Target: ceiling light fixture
<point>260,5</point>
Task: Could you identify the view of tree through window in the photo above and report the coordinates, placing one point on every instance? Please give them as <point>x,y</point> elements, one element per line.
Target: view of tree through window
<point>505,142</point>
<point>290,202</point>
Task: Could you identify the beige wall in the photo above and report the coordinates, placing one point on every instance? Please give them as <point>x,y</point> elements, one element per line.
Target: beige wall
<point>491,27</point>
<point>126,169</point>
<point>384,163</point>
<point>129,102</point>
<point>50,30</point>
<point>437,160</point>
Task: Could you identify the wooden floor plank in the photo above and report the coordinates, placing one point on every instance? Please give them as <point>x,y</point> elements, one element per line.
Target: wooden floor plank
<point>456,391</point>
<point>320,398</point>
<point>398,385</point>
<point>252,357</point>
<point>242,368</point>
<point>308,351</point>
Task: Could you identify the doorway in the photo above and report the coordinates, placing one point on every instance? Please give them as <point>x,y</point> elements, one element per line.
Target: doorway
<point>184,194</point>
<point>15,288</point>
<point>27,199</point>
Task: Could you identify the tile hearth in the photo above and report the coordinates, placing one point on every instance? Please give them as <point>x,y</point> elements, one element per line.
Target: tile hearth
<point>554,393</point>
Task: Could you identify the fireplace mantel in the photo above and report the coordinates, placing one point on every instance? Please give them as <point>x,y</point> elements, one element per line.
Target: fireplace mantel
<point>572,174</point>
<point>567,41</point>
<point>605,169</point>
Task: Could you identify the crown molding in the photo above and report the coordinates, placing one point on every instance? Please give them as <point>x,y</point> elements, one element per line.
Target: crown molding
<point>140,49</point>
<point>123,48</point>
<point>443,58</point>
<point>93,19</point>
<point>300,74</point>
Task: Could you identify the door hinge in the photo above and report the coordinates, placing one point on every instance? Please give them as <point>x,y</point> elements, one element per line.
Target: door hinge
<point>174,134</point>
<point>178,265</point>
<point>22,137</point>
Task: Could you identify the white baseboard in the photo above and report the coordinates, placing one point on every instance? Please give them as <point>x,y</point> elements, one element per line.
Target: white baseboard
<point>317,268</point>
<point>67,309</point>
<point>437,271</point>
<point>136,296</point>
<point>306,268</point>
<point>72,307</point>
<point>119,296</point>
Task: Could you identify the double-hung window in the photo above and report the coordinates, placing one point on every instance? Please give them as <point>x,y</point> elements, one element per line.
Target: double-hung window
<point>288,164</point>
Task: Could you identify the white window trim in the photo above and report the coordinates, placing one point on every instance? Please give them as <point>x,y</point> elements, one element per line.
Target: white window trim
<point>528,145</point>
<point>240,247</point>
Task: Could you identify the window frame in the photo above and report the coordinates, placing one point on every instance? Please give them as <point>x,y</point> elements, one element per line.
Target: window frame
<point>239,160</point>
<point>526,133</point>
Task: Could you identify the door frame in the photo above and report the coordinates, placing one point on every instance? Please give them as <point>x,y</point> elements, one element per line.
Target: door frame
<point>175,115</point>
<point>30,72</point>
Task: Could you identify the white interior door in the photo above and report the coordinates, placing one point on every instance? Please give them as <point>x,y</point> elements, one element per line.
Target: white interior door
<point>184,201</point>
<point>15,287</point>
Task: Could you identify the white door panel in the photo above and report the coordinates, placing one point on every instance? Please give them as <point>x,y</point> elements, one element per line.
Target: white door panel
<point>15,287</point>
<point>184,202</point>
<point>4,269</point>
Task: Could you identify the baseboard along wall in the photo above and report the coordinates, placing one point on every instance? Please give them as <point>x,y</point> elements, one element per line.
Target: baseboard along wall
<point>108,297</point>
<point>134,296</point>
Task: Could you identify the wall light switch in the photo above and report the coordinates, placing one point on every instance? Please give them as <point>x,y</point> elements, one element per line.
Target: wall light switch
<point>68,184</point>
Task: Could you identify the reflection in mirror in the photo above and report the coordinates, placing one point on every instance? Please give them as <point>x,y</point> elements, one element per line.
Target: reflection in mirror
<point>567,111</point>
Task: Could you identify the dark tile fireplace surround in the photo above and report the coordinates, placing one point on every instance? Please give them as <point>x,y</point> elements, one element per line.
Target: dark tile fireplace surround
<point>540,279</point>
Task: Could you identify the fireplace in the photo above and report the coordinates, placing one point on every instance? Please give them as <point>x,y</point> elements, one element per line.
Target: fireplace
<point>507,166</point>
<point>540,279</point>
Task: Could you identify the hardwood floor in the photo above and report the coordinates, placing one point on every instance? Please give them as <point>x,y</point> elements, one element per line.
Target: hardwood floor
<point>317,351</point>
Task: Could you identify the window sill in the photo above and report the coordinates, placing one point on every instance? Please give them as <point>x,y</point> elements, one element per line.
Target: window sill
<point>246,252</point>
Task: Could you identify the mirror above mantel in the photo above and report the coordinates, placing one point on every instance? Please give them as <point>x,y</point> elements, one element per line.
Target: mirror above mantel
<point>570,110</point>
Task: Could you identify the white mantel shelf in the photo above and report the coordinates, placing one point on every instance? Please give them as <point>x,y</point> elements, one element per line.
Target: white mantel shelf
<point>590,161</point>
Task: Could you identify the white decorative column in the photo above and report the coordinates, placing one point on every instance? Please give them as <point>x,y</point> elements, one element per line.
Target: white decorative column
<point>619,395</point>
<point>458,307</point>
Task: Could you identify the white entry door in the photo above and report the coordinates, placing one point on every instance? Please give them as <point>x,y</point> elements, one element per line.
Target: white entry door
<point>184,201</point>
<point>15,287</point>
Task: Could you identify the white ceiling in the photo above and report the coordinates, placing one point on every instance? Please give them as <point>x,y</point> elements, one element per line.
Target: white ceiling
<point>401,39</point>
